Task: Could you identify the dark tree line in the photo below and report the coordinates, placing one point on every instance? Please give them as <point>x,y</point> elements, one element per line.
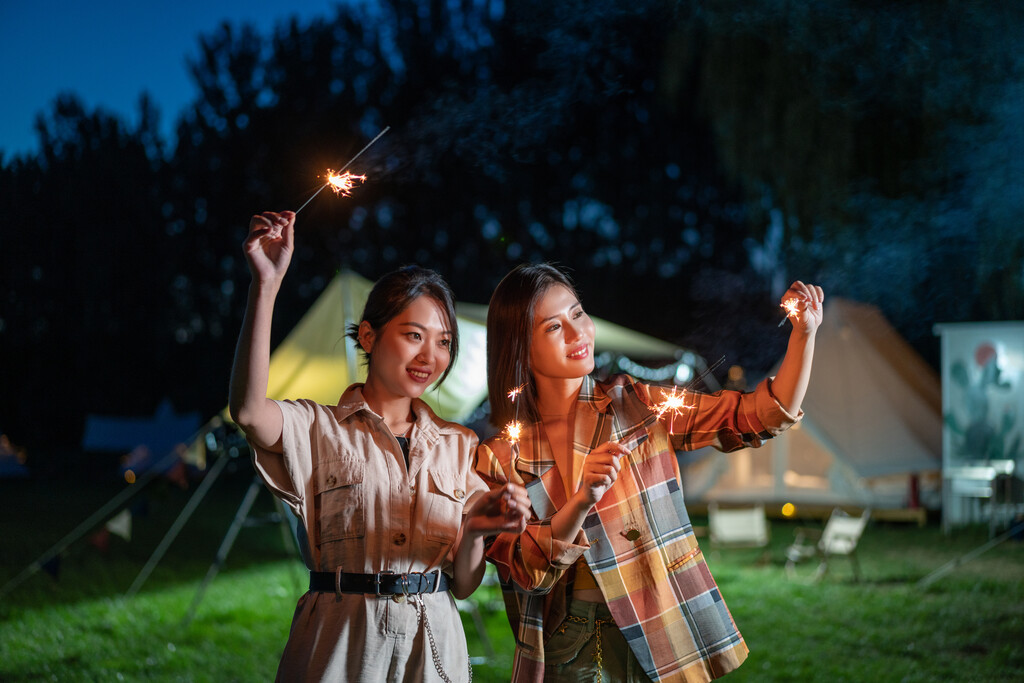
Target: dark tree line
<point>685,160</point>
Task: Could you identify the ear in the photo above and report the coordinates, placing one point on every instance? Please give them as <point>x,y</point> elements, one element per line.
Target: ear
<point>366,336</point>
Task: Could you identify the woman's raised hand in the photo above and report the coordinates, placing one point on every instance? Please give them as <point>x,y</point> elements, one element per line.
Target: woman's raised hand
<point>600,470</point>
<point>499,510</point>
<point>809,308</point>
<point>269,244</point>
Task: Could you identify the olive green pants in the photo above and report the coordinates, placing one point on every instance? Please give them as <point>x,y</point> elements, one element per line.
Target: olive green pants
<point>588,646</point>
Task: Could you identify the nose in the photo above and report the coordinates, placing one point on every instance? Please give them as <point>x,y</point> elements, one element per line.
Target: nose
<point>572,332</point>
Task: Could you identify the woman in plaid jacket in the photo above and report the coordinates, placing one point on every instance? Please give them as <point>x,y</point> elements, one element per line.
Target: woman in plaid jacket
<point>607,581</point>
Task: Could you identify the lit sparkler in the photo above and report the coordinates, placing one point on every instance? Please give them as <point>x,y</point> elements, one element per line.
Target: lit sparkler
<point>792,308</point>
<point>675,404</point>
<point>514,429</point>
<point>341,181</point>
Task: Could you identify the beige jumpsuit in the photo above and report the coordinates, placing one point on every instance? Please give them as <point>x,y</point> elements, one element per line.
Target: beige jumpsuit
<point>345,476</point>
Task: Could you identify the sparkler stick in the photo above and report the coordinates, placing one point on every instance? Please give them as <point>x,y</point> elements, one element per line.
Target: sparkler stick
<point>514,429</point>
<point>791,308</point>
<point>341,179</point>
<point>675,402</point>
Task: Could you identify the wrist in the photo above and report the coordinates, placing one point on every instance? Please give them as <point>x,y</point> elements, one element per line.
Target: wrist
<point>581,503</point>
<point>264,286</point>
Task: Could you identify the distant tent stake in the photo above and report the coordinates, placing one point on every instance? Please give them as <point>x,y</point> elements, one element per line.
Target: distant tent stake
<point>242,519</point>
<point>183,517</point>
<point>82,529</point>
<point>964,559</point>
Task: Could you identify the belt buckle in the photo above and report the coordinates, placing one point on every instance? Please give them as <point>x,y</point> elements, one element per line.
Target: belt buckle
<point>376,578</point>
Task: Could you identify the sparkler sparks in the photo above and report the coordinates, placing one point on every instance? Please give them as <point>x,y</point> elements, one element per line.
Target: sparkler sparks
<point>341,181</point>
<point>791,306</point>
<point>513,430</point>
<point>673,403</point>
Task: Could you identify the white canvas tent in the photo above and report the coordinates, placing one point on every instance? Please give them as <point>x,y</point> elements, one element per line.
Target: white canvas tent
<point>871,434</point>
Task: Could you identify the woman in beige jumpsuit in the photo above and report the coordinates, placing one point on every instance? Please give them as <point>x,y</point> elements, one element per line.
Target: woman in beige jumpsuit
<point>386,492</point>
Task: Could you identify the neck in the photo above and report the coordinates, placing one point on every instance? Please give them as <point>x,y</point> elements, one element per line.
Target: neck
<point>557,396</point>
<point>396,410</point>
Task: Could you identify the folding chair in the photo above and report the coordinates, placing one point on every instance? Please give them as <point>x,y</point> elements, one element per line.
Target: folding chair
<point>839,537</point>
<point>742,527</point>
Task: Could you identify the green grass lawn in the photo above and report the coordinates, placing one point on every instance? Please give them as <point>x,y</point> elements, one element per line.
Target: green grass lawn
<point>967,626</point>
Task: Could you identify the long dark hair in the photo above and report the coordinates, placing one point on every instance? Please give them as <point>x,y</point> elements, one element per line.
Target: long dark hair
<point>392,293</point>
<point>509,331</point>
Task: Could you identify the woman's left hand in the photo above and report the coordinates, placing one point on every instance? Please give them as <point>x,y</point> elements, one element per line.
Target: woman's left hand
<point>499,510</point>
<point>810,302</point>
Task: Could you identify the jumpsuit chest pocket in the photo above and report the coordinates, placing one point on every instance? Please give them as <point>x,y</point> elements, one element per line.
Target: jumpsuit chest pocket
<point>447,496</point>
<point>339,494</point>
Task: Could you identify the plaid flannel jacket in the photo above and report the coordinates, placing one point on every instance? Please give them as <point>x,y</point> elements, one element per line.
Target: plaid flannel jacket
<point>655,580</point>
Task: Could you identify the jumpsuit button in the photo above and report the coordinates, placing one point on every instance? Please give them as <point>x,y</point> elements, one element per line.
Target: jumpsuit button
<point>332,480</point>
<point>459,494</point>
<point>399,539</point>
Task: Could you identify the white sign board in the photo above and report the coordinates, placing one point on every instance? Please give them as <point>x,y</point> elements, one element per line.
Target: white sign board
<point>983,421</point>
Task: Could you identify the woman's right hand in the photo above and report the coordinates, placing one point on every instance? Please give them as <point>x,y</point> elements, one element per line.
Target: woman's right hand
<point>600,470</point>
<point>269,245</point>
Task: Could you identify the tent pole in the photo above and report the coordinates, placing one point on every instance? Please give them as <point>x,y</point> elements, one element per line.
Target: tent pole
<point>183,517</point>
<point>83,528</point>
<point>963,559</point>
<point>225,546</point>
<point>241,520</point>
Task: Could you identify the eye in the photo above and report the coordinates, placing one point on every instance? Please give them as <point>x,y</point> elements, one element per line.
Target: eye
<point>553,327</point>
<point>414,336</point>
<point>577,314</point>
<point>447,343</point>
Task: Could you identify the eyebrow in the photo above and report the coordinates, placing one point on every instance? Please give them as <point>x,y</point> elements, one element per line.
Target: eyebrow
<point>423,327</point>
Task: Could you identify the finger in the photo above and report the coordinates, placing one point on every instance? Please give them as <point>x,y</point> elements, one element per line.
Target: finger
<point>289,228</point>
<point>614,447</point>
<point>260,221</point>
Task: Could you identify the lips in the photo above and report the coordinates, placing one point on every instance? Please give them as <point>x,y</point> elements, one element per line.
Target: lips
<point>579,353</point>
<point>421,376</point>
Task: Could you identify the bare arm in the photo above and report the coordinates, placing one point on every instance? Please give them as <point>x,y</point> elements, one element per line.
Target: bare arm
<point>600,470</point>
<point>268,249</point>
<point>790,384</point>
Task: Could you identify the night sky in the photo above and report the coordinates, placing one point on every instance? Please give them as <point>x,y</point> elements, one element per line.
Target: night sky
<point>109,51</point>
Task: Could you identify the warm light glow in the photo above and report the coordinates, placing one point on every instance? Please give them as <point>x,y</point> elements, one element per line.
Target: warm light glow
<point>514,393</point>
<point>791,307</point>
<point>129,476</point>
<point>788,510</point>
<point>513,430</point>
<point>342,183</point>
<point>674,403</point>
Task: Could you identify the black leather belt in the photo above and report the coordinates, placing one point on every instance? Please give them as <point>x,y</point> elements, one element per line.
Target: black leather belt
<point>381,583</point>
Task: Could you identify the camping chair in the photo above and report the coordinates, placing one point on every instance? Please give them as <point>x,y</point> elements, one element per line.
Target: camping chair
<point>839,537</point>
<point>745,527</point>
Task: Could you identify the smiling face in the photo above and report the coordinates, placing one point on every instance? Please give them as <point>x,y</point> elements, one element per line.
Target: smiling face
<point>410,352</point>
<point>562,341</point>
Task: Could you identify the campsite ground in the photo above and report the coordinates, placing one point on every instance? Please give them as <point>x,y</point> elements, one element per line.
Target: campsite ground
<point>967,626</point>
